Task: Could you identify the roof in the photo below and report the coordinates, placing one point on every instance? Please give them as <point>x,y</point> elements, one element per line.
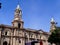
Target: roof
<point>2,25</point>
<point>27,29</point>
<point>37,31</point>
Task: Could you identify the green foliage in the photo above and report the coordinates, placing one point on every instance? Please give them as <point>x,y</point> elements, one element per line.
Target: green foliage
<point>55,36</point>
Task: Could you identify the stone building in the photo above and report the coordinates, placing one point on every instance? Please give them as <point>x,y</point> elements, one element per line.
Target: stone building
<point>16,34</point>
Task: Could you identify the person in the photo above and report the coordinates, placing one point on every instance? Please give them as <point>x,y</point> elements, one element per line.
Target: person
<point>41,43</point>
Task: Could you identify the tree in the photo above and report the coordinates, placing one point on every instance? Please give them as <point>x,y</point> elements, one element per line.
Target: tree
<point>55,36</point>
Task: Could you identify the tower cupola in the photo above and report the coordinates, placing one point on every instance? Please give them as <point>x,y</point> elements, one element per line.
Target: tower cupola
<point>53,25</point>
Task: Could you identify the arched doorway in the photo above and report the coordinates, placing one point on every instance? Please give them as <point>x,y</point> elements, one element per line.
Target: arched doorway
<point>4,43</point>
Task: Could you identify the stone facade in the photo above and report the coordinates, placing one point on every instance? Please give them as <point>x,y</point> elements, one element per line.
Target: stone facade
<point>17,34</point>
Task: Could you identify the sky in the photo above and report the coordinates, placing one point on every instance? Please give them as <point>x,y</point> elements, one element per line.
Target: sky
<point>36,14</point>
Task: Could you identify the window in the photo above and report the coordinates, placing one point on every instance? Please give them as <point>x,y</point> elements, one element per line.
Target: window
<point>19,25</point>
<point>5,33</point>
<point>19,41</point>
<point>40,36</point>
<point>25,35</point>
<point>36,35</point>
<point>31,35</point>
<point>5,43</point>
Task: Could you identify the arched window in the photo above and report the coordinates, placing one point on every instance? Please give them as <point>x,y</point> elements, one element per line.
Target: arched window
<point>5,43</point>
<point>26,35</point>
<point>19,40</point>
<point>5,33</point>
<point>19,25</point>
<point>31,35</point>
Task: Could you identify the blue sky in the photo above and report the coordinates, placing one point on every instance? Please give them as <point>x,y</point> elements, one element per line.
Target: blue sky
<point>35,13</point>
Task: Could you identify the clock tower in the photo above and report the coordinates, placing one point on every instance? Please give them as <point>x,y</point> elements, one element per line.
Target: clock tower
<point>18,22</point>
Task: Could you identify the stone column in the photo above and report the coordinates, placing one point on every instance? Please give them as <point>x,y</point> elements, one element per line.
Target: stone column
<point>15,32</point>
<point>28,37</point>
<point>11,41</point>
<point>1,41</point>
<point>14,41</point>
